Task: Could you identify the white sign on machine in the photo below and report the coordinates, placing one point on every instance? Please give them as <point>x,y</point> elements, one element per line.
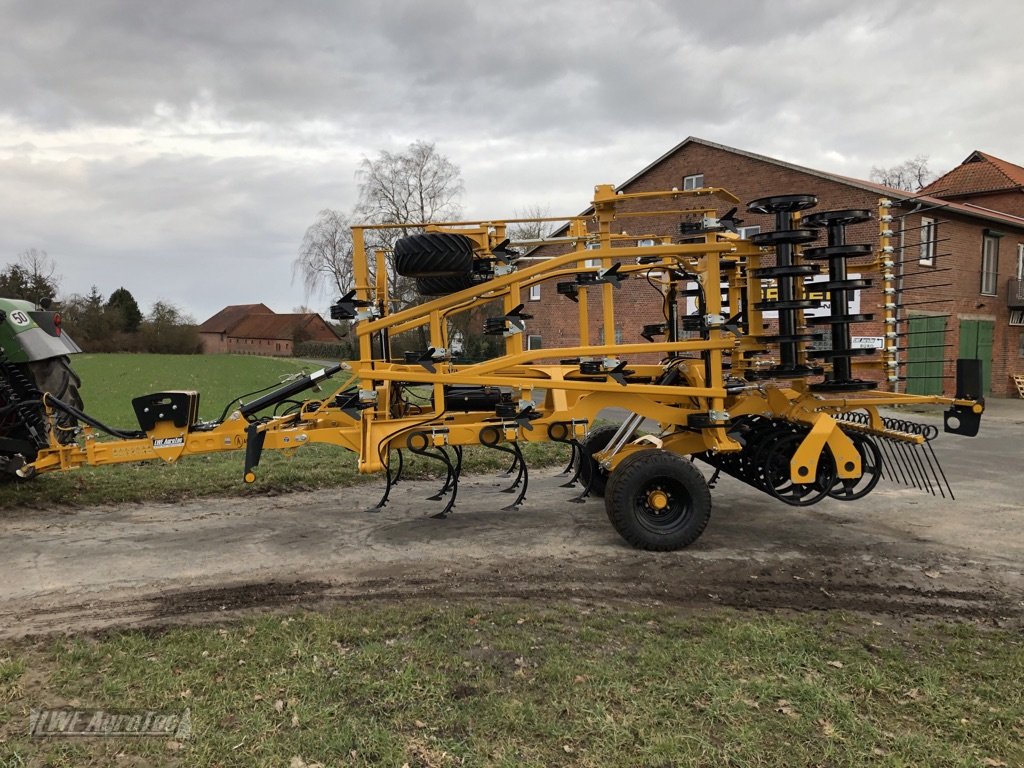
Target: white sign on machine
<point>770,292</point>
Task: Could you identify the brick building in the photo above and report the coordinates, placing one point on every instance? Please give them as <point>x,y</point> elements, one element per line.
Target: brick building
<point>962,258</point>
<point>255,329</point>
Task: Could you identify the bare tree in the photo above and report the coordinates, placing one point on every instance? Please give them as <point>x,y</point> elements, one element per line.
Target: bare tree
<point>325,256</point>
<point>33,276</point>
<point>413,187</point>
<point>531,230</point>
<point>418,185</point>
<point>911,175</point>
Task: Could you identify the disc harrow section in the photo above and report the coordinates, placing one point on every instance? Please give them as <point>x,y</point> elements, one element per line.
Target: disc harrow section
<point>840,288</point>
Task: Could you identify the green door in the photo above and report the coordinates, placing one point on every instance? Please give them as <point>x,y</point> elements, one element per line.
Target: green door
<point>925,338</point>
<point>976,343</point>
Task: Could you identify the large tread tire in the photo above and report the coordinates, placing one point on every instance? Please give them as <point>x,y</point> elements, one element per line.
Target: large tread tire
<point>434,254</point>
<point>442,286</point>
<point>632,500</point>
<point>597,440</point>
<point>55,376</point>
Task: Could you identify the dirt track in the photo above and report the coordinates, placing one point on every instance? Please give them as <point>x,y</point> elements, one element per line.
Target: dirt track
<point>899,551</point>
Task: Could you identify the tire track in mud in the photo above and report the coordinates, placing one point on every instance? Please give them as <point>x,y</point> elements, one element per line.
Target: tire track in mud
<point>730,585</point>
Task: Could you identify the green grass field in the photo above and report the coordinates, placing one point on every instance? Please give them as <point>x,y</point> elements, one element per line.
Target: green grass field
<point>109,382</point>
<point>440,683</point>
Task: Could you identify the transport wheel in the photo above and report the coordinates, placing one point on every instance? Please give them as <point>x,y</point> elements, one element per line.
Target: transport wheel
<point>442,286</point>
<point>596,440</point>
<point>434,254</point>
<point>658,500</point>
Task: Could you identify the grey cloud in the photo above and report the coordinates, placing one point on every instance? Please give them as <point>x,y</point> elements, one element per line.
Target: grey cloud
<point>537,101</point>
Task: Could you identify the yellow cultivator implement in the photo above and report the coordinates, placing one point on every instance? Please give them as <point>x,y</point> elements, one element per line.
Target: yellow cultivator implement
<point>734,374</point>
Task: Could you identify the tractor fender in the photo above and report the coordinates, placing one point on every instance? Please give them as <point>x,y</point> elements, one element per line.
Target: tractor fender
<point>28,334</point>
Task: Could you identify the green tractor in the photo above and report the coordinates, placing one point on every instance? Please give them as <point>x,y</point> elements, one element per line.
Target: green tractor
<point>33,363</point>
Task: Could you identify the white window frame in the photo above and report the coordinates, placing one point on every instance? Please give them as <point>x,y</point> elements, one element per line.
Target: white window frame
<point>1017,317</point>
<point>592,262</point>
<point>535,292</point>
<point>748,232</point>
<point>989,265</point>
<point>529,341</point>
<point>1020,261</point>
<point>647,242</point>
<point>929,236</point>
<point>694,181</point>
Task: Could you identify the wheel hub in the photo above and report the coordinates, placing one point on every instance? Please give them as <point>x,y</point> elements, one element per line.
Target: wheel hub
<point>657,500</point>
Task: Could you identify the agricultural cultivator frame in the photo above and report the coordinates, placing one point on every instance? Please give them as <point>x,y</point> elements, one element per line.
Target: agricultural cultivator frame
<point>758,399</point>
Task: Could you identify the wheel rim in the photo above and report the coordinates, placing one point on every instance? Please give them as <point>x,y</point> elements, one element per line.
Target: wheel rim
<point>663,505</point>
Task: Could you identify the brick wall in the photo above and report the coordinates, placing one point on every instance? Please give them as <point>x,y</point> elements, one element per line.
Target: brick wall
<point>637,303</point>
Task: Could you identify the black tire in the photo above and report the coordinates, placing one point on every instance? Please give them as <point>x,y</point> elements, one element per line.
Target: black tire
<point>597,440</point>
<point>55,376</point>
<point>442,286</point>
<point>434,254</point>
<point>644,481</point>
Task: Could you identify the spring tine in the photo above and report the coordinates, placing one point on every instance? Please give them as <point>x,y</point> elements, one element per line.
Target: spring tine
<point>928,460</point>
<point>513,466</point>
<point>887,464</point>
<point>453,478</point>
<point>401,466</point>
<point>939,466</point>
<point>896,461</point>
<point>908,288</point>
<point>387,488</point>
<point>511,453</point>
<point>918,210</point>
<point>578,453</point>
<point>572,458</point>
<point>925,476</point>
<point>909,465</point>
<point>920,482</point>
<point>920,303</point>
<point>442,455</point>
<point>524,475</point>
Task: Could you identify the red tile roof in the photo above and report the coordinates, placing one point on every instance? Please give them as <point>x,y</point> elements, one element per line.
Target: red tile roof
<point>263,326</point>
<point>979,173</point>
<point>230,316</point>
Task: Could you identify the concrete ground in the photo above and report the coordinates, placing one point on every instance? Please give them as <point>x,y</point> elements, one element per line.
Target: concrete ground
<point>898,551</point>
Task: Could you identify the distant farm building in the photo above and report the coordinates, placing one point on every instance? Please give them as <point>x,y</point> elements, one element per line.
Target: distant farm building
<point>255,329</point>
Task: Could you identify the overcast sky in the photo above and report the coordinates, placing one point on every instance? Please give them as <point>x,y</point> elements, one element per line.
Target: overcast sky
<point>181,149</point>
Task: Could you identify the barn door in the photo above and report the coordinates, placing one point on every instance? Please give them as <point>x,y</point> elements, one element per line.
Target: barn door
<point>976,343</point>
<point>925,340</point>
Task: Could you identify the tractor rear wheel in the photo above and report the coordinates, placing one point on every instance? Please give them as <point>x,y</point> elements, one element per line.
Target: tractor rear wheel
<point>53,376</point>
<point>434,254</point>
<point>658,500</point>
